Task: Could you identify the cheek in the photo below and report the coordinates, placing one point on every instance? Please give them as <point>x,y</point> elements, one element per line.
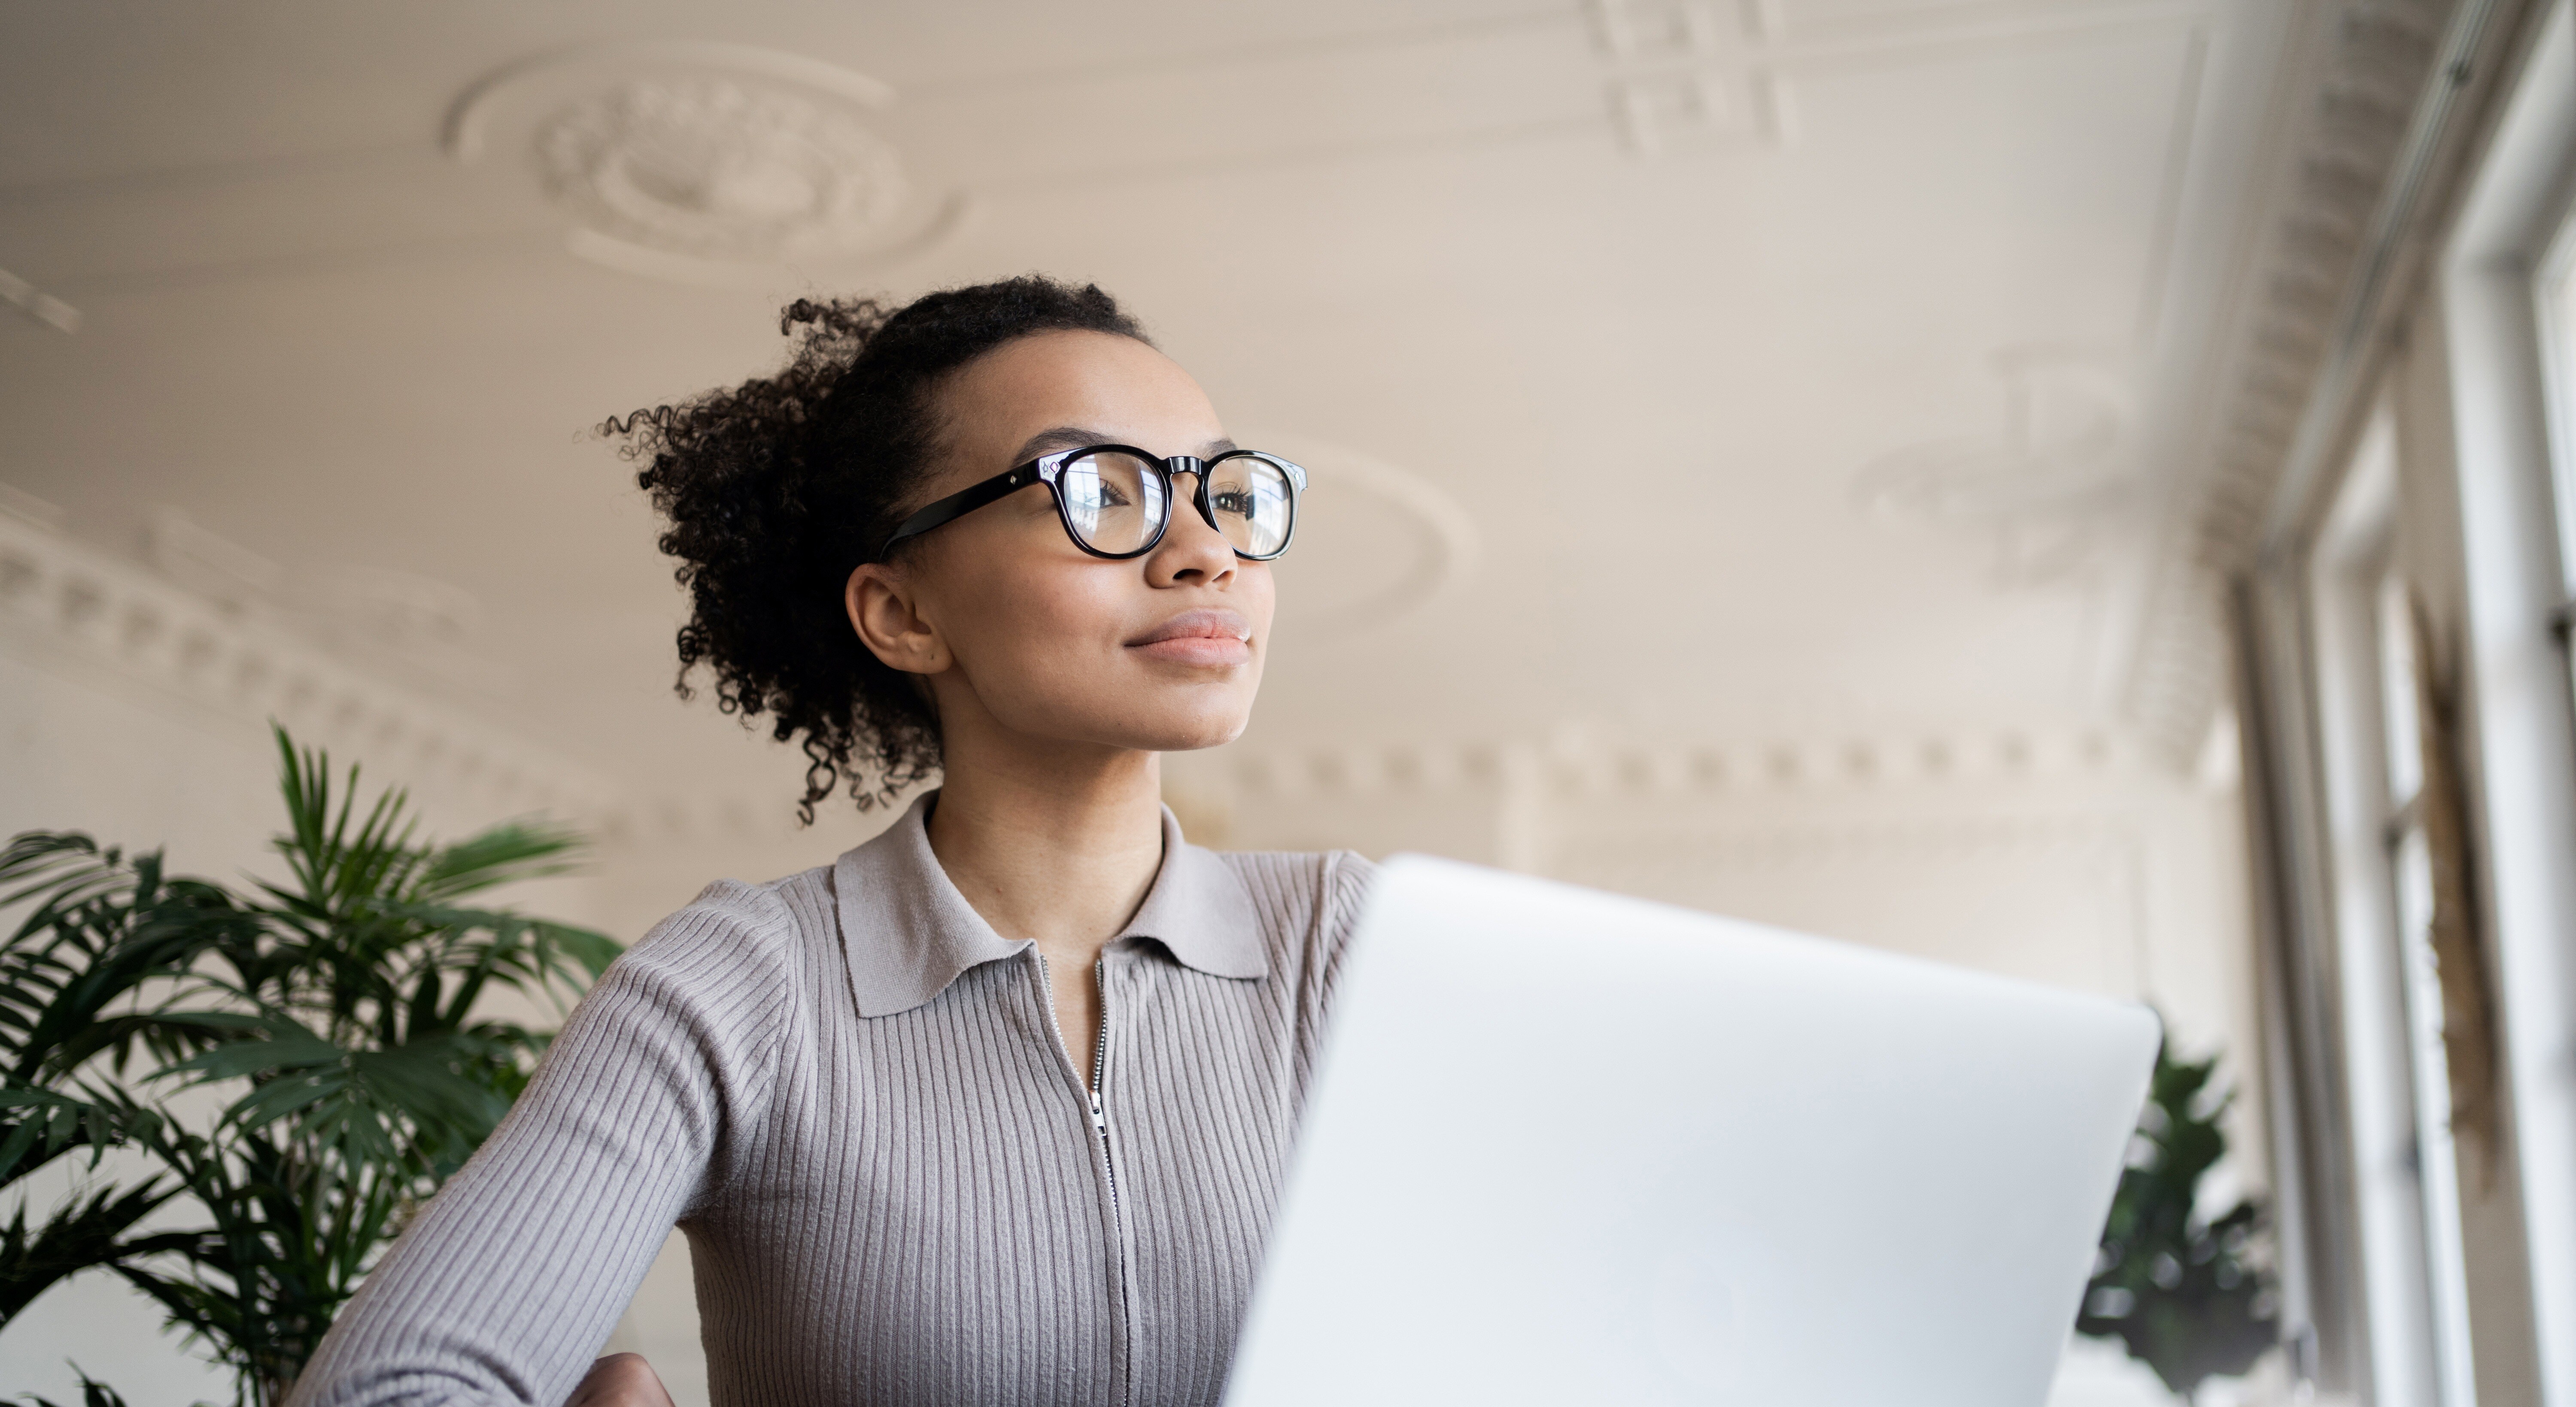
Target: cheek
<point>1043,625</point>
<point>1256,594</point>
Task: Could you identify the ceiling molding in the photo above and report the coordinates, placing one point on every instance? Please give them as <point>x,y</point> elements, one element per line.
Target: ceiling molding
<point>1955,772</point>
<point>1699,75</point>
<point>72,607</point>
<point>69,607</point>
<point>759,165</point>
<point>1574,769</point>
<point>2339,206</point>
<point>1613,859</point>
<point>174,649</point>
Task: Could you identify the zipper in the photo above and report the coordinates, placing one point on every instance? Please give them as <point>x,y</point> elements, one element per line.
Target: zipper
<point>1109,1169</point>
<point>1108,1159</point>
<point>1099,1111</point>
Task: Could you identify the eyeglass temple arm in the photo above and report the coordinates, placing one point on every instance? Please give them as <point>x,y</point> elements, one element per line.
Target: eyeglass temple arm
<point>961,503</point>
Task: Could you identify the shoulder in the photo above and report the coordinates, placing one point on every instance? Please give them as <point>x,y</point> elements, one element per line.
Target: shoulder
<point>737,947</point>
<point>710,993</point>
<point>1337,866</point>
<point>1306,900</point>
<point>728,920</point>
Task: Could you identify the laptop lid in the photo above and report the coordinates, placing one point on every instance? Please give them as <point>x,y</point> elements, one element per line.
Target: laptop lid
<point>1570,1147</point>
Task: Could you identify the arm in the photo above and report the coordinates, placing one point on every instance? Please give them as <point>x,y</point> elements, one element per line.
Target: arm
<point>508,1282</point>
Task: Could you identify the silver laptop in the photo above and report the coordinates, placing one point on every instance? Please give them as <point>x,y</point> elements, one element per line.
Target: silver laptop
<point>1572,1148</point>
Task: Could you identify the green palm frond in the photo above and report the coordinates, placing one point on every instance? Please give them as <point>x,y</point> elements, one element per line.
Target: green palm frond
<point>2187,1295</point>
<point>39,1125</point>
<point>42,1124</point>
<point>93,1394</point>
<point>336,1007</point>
<point>505,854</point>
<point>80,1235</point>
<point>66,871</point>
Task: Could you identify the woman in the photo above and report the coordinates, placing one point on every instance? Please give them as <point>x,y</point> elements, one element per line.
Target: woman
<point>993,1108</point>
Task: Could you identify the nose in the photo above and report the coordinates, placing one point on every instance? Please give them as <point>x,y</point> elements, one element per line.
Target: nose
<point>1192,553</point>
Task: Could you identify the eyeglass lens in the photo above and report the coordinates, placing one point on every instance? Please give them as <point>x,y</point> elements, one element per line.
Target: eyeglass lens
<point>1114,501</point>
<point>1252,502</point>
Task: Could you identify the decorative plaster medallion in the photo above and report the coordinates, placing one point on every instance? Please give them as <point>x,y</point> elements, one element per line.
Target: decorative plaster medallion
<point>2045,488</point>
<point>706,163</point>
<point>721,168</point>
<point>1375,543</point>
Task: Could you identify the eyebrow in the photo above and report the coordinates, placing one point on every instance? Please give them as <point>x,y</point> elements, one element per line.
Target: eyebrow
<point>1054,438</point>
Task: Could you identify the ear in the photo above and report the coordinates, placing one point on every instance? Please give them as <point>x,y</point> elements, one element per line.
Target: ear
<point>884,612</point>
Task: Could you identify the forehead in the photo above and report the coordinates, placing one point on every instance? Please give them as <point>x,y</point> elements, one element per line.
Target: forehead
<point>1117,385</point>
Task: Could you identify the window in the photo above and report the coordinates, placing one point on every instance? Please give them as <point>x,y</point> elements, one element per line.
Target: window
<point>2557,289</point>
<point>2501,322</point>
<point>2384,871</point>
<point>2412,713</point>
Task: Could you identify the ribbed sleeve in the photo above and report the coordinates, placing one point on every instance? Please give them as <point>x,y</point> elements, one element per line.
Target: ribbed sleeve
<point>509,1280</point>
<point>914,1207</point>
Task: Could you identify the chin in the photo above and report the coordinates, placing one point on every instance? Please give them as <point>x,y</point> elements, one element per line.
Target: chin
<point>1194,737</point>
<point>1159,715</point>
<point>1184,730</point>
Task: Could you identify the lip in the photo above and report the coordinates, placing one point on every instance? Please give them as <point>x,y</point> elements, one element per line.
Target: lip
<point>1206,636</point>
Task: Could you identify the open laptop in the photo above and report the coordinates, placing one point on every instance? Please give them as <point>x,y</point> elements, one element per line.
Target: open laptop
<point>1572,1148</point>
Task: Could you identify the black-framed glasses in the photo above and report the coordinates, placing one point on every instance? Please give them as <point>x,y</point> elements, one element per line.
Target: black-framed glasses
<point>1116,500</point>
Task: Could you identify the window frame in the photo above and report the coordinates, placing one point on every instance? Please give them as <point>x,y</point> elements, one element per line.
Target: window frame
<point>2403,1168</point>
<point>2487,498</point>
<point>2484,314</point>
<point>2554,314</point>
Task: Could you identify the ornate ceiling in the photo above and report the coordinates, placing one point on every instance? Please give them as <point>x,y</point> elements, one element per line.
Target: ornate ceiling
<point>1683,370</point>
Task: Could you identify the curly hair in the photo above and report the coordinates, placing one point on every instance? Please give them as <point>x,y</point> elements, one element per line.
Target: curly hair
<point>776,489</point>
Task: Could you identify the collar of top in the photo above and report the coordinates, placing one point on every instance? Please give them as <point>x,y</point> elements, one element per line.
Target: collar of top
<point>906,933</point>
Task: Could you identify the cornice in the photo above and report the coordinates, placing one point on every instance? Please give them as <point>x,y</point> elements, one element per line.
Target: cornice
<point>1574,771</point>
<point>2370,129</point>
<point>1607,859</point>
<point>73,608</point>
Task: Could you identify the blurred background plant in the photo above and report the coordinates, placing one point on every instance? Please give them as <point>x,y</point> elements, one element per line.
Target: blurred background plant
<point>93,1394</point>
<point>337,1009</point>
<point>2185,1293</point>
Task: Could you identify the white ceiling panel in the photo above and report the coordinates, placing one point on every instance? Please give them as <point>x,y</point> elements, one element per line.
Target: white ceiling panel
<point>1697,367</point>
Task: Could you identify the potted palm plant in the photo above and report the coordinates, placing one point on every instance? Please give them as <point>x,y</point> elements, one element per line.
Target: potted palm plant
<point>343,1015</point>
<point>2187,1293</point>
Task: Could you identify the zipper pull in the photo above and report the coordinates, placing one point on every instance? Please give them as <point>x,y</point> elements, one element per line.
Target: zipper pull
<point>1099,1116</point>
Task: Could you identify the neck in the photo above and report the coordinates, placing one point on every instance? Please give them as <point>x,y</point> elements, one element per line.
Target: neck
<point>1050,843</point>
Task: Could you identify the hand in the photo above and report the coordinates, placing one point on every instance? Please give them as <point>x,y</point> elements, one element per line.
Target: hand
<point>620,1380</point>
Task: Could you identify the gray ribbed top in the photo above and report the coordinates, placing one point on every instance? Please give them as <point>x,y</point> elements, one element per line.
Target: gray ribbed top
<point>849,1092</point>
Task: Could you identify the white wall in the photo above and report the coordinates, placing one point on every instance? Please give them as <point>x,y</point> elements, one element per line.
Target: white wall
<point>2052,852</point>
<point>2056,853</point>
